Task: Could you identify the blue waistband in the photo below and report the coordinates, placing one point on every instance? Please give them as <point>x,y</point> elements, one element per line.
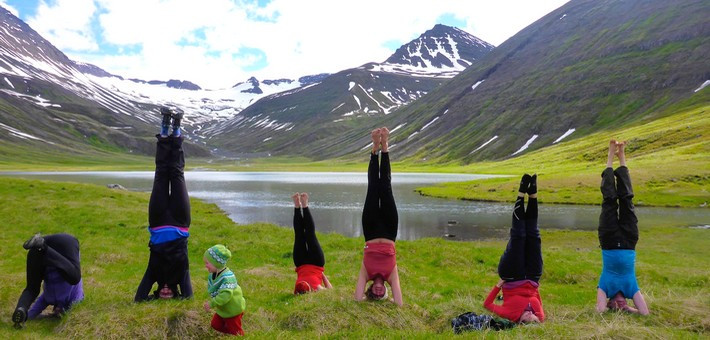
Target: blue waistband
<point>164,234</point>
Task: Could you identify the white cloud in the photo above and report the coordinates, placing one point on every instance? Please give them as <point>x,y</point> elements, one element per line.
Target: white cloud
<point>11,9</point>
<point>306,37</point>
<point>66,24</point>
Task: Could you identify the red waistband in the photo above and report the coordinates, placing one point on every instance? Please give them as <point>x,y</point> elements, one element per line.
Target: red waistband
<point>380,246</point>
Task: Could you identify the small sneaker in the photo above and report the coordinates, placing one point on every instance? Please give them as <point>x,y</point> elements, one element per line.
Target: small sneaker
<point>36,241</point>
<point>165,123</point>
<point>19,317</point>
<point>532,189</point>
<point>167,115</point>
<point>177,117</point>
<point>524,183</point>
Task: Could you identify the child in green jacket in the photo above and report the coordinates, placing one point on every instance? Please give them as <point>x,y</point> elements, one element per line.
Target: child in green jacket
<point>225,294</point>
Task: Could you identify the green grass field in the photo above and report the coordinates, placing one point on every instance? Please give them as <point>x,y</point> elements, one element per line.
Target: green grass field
<point>440,279</point>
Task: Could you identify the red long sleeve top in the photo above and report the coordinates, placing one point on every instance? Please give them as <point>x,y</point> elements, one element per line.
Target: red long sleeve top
<point>515,301</point>
<point>309,273</point>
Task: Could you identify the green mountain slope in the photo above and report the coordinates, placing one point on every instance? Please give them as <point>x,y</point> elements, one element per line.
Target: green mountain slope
<point>669,160</point>
<point>587,66</point>
<point>47,105</point>
<point>583,68</point>
<point>344,105</point>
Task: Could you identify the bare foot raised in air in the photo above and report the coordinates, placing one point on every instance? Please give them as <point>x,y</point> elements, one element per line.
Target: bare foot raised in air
<point>620,146</point>
<point>612,152</point>
<point>376,136</point>
<point>304,199</point>
<point>385,139</point>
<point>296,200</point>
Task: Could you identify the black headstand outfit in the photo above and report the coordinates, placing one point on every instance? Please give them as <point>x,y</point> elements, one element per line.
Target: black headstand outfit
<point>169,219</point>
<point>379,215</point>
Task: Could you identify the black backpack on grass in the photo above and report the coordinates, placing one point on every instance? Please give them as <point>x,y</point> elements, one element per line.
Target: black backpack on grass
<point>471,321</point>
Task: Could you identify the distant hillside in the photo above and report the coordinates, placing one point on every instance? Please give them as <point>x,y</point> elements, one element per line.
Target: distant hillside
<point>585,67</point>
<point>348,101</point>
<point>47,102</point>
<point>50,102</point>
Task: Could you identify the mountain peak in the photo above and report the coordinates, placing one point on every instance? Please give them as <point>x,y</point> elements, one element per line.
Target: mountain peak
<point>442,47</point>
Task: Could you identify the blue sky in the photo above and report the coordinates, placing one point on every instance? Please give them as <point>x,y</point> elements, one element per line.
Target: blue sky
<point>221,42</point>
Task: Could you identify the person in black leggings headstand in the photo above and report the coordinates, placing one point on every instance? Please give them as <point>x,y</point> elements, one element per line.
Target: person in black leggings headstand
<point>169,218</point>
<point>307,254</point>
<point>520,266</point>
<point>55,260</point>
<point>379,225</point>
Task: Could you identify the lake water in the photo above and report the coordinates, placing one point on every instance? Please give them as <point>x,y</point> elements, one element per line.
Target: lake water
<point>336,201</point>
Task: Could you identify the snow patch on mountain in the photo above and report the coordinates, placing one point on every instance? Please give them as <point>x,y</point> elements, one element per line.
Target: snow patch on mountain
<point>398,127</point>
<point>9,83</point>
<point>413,71</point>
<point>569,132</point>
<point>706,83</point>
<point>428,124</point>
<point>38,100</point>
<point>358,101</point>
<point>200,106</point>
<point>19,134</point>
<point>484,144</point>
<point>367,93</point>
<point>527,144</point>
<point>474,86</point>
<point>337,107</point>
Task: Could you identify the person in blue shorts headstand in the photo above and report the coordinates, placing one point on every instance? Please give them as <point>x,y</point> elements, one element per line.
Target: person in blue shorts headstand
<point>618,234</point>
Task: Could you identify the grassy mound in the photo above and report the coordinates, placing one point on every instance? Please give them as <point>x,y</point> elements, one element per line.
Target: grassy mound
<point>440,279</point>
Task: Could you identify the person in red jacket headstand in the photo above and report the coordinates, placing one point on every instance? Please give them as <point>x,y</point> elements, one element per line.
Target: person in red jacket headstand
<point>520,267</point>
<point>307,254</point>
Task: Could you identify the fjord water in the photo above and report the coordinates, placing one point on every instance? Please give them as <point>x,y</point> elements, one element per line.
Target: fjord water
<point>337,200</point>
